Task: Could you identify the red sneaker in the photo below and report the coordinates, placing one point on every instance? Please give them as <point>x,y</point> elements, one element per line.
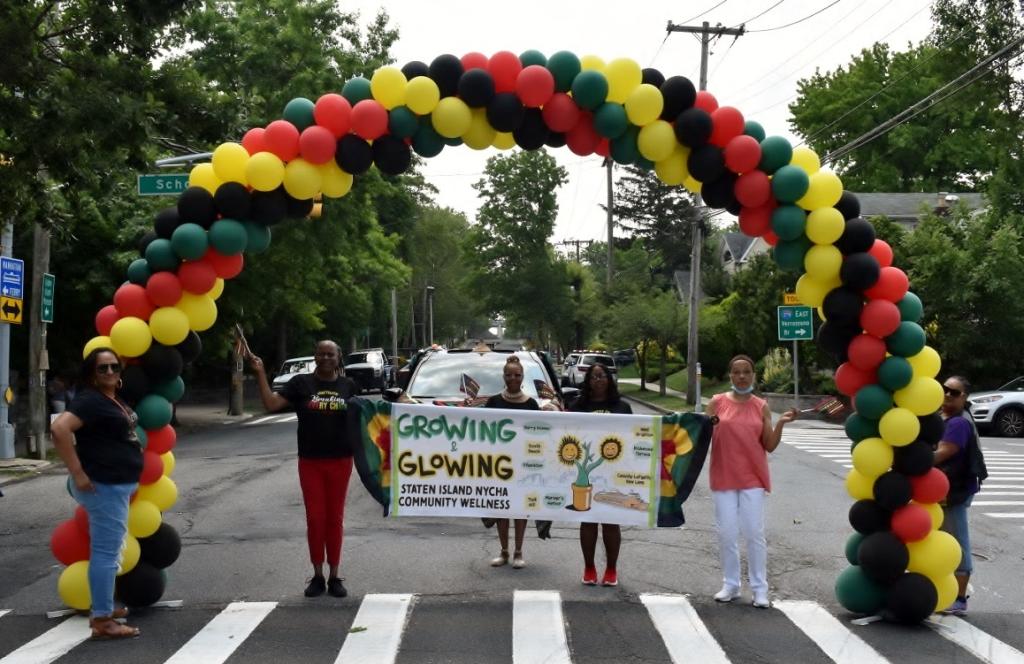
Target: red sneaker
<point>590,576</point>
<point>611,578</point>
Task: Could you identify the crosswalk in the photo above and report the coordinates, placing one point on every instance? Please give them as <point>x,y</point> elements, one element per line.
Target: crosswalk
<point>382,628</point>
<point>277,418</point>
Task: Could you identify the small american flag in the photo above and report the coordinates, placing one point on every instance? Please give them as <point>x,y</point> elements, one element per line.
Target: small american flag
<point>469,386</point>
<point>544,391</point>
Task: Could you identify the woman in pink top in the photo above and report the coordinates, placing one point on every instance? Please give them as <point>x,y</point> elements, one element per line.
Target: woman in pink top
<point>740,444</point>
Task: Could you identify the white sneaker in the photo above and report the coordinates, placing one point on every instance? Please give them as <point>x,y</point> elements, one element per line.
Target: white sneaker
<point>761,599</point>
<point>727,594</point>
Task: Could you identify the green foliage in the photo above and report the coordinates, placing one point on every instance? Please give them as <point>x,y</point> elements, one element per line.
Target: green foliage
<point>776,371</point>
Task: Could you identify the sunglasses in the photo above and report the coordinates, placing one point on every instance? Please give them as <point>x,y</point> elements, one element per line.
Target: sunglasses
<point>108,368</point>
<point>952,391</point>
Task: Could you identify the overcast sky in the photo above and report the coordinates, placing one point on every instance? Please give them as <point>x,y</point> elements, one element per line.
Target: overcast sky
<point>757,73</point>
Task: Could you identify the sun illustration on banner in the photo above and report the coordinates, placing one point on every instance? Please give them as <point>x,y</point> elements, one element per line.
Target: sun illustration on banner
<point>569,450</point>
<point>611,448</point>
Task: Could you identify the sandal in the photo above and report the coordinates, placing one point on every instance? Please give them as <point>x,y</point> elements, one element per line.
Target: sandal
<point>105,629</point>
<point>502,559</point>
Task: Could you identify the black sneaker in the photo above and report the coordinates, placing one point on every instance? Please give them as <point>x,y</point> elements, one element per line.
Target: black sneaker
<point>316,587</point>
<point>335,588</point>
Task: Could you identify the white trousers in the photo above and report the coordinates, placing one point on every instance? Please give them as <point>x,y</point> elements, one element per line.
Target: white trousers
<point>736,512</point>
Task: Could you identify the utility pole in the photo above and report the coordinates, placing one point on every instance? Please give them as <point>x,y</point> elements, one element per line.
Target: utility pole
<point>430,311</point>
<point>611,218</point>
<point>575,243</point>
<point>706,32</point>
<point>394,326</point>
<point>38,358</point>
<point>6,430</point>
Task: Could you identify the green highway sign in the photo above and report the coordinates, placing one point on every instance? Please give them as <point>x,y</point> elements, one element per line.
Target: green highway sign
<point>795,324</point>
<point>49,282</point>
<point>162,184</point>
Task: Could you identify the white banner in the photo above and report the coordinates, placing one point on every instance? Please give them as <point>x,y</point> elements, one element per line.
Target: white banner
<point>599,468</point>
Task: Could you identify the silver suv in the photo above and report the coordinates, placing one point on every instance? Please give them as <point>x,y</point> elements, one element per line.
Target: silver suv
<point>577,363</point>
<point>1001,410</point>
<point>370,368</point>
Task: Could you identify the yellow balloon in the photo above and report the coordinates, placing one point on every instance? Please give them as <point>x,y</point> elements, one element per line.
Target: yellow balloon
<point>480,134</point>
<point>812,291</point>
<point>162,494</point>
<point>422,95</point>
<point>96,342</point>
<point>624,76</point>
<point>130,552</point>
<point>334,182</point>
<point>73,586</point>
<point>859,486</point>
<point>169,462</point>
<point>169,325</point>
<point>131,337</point>
<point>656,141</point>
<point>504,140</point>
<point>823,261</point>
<point>947,588</point>
<point>926,364</point>
<point>923,396</point>
<point>143,517</point>
<point>935,511</point>
<point>825,190</point>
<point>203,175</point>
<point>872,457</point>
<point>201,310</point>
<point>825,225</point>
<point>451,118</point>
<point>821,312</point>
<point>229,161</point>
<point>302,179</point>
<point>806,159</point>
<point>935,556</point>
<point>672,169</point>
<point>692,184</point>
<point>217,290</point>
<point>899,427</point>
<point>591,62</point>
<point>264,171</point>
<point>644,104</point>
<point>388,87</point>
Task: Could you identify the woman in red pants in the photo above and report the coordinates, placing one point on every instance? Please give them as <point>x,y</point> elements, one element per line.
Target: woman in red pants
<point>325,456</point>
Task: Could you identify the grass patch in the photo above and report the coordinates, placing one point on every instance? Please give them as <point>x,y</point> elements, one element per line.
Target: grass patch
<point>629,371</point>
<point>651,396</point>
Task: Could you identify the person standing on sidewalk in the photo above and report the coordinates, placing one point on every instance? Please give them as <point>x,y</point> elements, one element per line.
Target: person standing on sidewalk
<point>96,439</point>
<point>742,438</point>
<point>325,456</point>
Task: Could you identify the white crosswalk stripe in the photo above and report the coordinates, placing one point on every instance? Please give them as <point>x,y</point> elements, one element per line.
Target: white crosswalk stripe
<point>222,635</point>
<point>538,628</point>
<point>4,612</point>
<point>277,418</point>
<point>980,644</point>
<point>682,631</point>
<point>376,632</point>
<point>52,644</point>
<point>838,642</point>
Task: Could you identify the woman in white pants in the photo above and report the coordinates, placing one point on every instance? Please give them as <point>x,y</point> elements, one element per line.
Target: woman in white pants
<point>742,438</point>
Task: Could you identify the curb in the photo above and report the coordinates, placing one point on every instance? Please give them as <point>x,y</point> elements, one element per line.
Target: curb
<point>660,409</point>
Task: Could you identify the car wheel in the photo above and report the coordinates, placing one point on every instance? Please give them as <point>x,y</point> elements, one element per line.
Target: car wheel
<point>1010,422</point>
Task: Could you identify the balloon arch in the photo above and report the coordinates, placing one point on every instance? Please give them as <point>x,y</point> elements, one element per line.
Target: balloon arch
<point>901,564</point>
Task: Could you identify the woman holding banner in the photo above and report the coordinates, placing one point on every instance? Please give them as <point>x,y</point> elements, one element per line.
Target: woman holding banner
<point>600,394</point>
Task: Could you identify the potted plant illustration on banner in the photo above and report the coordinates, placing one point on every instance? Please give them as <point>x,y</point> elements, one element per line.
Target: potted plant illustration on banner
<point>571,451</point>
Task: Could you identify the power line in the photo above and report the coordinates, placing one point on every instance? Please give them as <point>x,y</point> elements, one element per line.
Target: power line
<point>754,18</point>
<point>809,16</point>
<point>707,11</point>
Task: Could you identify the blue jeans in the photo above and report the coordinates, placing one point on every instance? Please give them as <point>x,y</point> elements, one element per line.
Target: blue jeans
<point>954,522</point>
<point>107,507</point>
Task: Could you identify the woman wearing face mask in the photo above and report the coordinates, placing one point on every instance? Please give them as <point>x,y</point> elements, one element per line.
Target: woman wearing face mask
<point>742,439</point>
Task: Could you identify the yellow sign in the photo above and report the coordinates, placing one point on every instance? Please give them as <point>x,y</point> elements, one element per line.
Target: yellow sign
<point>790,298</point>
<point>10,310</point>
<point>9,396</point>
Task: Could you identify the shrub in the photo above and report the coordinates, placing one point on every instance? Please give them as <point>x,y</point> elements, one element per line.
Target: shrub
<point>777,371</point>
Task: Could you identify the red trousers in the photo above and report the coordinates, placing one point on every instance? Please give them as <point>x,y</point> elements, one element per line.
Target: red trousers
<point>324,484</point>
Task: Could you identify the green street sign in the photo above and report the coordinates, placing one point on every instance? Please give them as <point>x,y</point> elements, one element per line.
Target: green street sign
<point>795,324</point>
<point>162,184</point>
<point>49,282</point>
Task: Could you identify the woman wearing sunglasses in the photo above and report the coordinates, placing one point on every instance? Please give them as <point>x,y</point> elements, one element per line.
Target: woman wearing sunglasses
<point>96,439</point>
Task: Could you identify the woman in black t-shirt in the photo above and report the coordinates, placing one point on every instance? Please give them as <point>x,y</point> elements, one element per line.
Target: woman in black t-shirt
<point>95,437</point>
<point>600,394</point>
<point>325,456</point>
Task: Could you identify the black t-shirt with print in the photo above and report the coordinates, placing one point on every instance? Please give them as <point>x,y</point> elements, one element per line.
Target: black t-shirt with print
<point>106,443</point>
<point>497,401</point>
<point>618,407</point>
<point>321,409</point>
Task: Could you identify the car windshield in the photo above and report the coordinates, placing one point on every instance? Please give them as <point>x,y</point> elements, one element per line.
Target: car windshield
<point>355,358</point>
<point>1015,385</point>
<point>296,366</point>
<point>441,375</point>
<point>598,359</point>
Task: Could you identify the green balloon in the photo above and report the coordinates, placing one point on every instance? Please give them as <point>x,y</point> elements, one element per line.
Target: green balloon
<point>161,256</point>
<point>427,142</point>
<point>299,112</point>
<point>754,129</point>
<point>911,308</point>
<point>258,237</point>
<point>790,184</point>
<point>140,433</point>
<point>857,593</point>
<point>453,142</point>
<point>789,254</point>
<point>852,542</point>
<point>564,67</point>
<point>873,401</point>
<point>859,427</point>
<point>589,89</point>
<point>907,340</point>
<point>402,122</point>
<point>228,236</point>
<point>139,272</point>
<point>789,222</point>
<point>190,241</point>
<point>532,57</point>
<point>643,162</point>
<point>895,373</point>
<point>356,89</point>
<point>610,120</point>
<point>154,411</point>
<point>172,390</point>
<point>775,153</point>
<point>623,149</point>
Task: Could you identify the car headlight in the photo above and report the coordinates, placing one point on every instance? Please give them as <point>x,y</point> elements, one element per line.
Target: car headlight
<point>988,399</point>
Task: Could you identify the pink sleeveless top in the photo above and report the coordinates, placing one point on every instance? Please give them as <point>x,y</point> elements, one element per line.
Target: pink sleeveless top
<point>738,459</point>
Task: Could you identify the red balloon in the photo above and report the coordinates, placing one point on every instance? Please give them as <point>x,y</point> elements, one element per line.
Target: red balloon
<point>560,112</point>
<point>164,289</point>
<point>603,147</point>
<point>880,318</point>
<point>68,543</point>
<point>882,252</point>
<point>131,300</point>
<point>105,319</point>
<point>892,285</point>
<point>742,154</point>
<point>161,440</point>
<point>706,102</point>
<point>849,378</point>
<point>82,519</point>
<point>755,221</point>
<point>930,487</point>
<point>535,85</point>
<point>282,138</point>
<point>474,60</point>
<point>333,113</point>
<point>911,523</point>
<point>253,141</point>
<point>197,277</point>
<point>771,238</point>
<point>727,124</point>
<point>152,467</point>
<point>369,119</point>
<point>753,189</point>
<point>317,144</point>
<point>866,352</point>
<point>582,139</point>
<point>504,67</point>
<point>226,267</point>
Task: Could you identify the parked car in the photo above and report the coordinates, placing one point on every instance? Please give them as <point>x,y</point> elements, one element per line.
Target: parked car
<point>570,361</point>
<point>1000,411</point>
<point>573,374</point>
<point>624,357</point>
<point>370,368</point>
<point>290,368</point>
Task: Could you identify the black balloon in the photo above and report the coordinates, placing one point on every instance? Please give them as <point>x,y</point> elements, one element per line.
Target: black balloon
<point>718,192</point>
<point>652,76</point>
<point>533,132</point>
<point>883,557</point>
<point>505,112</point>
<point>161,548</point>
<point>476,88</point>
<point>932,428</point>
<point>353,154</point>
<point>867,516</point>
<point>414,69</point>
<point>916,458</point>
<point>190,348</point>
<point>706,163</point>
<point>446,70</point>
<point>162,363</point>
<point>858,236</point>
<point>848,205</point>
<point>142,586</point>
<point>269,207</point>
<point>297,208</point>
<point>860,271</point>
<point>232,200</point>
<point>734,207</point>
<point>910,599</point>
<point>134,384</point>
<point>195,205</point>
<point>892,490</point>
<point>843,305</point>
<point>693,127</point>
<point>555,139</point>
<point>144,241</point>
<point>391,155</point>
<point>166,221</point>
<point>835,338</point>
<point>679,95</point>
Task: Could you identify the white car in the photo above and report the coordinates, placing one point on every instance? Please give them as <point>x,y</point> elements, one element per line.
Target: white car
<point>577,363</point>
<point>291,368</point>
<point>1001,410</point>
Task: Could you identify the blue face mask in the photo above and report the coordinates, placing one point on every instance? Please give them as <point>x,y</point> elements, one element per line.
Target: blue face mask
<point>743,390</point>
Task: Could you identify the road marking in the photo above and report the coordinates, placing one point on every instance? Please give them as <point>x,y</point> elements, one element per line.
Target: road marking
<point>4,612</point>
<point>380,620</point>
<point>984,492</point>
<point>682,631</point>
<point>259,420</point>
<point>980,644</point>
<point>838,642</point>
<point>220,637</point>
<point>290,418</point>
<point>1005,515</point>
<point>538,628</point>
<point>996,503</point>
<point>52,644</point>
